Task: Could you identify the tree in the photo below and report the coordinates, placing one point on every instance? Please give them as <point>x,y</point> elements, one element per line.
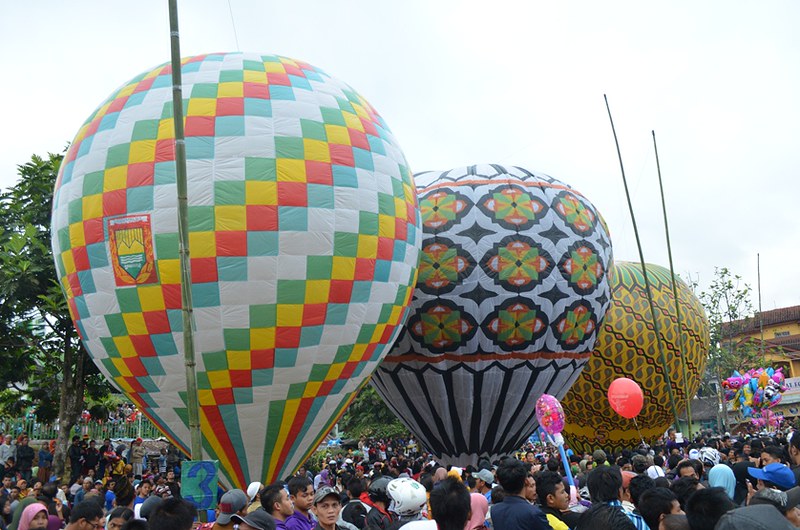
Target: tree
<point>369,416</point>
<point>43,360</point>
<point>729,310</point>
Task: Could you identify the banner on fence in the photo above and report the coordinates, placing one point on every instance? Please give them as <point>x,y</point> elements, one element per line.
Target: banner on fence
<point>199,483</point>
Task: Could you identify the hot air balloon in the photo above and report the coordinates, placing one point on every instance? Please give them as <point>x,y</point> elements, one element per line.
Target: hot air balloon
<point>512,285</point>
<point>626,347</point>
<point>303,236</point>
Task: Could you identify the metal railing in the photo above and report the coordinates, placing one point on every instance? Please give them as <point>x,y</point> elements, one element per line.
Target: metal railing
<point>37,430</point>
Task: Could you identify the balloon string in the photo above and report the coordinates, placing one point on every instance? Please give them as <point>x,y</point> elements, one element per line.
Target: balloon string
<point>639,431</point>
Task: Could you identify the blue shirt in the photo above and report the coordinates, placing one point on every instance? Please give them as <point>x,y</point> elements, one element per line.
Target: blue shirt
<point>515,513</point>
<point>636,519</point>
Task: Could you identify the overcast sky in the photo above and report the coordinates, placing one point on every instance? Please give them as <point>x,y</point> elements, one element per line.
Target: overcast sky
<point>516,83</point>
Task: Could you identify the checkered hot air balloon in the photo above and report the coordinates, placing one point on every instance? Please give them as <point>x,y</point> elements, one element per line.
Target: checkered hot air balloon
<point>513,282</point>
<point>304,233</point>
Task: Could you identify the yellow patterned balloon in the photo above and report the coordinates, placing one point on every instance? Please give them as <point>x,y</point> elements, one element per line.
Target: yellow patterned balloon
<point>627,347</point>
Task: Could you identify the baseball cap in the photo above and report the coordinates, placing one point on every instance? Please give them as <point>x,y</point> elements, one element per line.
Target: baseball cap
<point>777,473</point>
<point>253,489</point>
<point>755,517</point>
<point>599,454</point>
<point>231,502</point>
<point>258,519</point>
<point>485,475</point>
<point>782,500</point>
<point>325,491</point>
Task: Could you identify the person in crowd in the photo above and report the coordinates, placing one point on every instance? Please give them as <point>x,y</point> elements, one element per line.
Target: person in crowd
<point>355,510</point>
<point>554,499</point>
<point>276,502</point>
<point>233,502</point>
<point>786,502</point>
<point>327,508</point>
<point>604,516</point>
<point>136,456</point>
<point>683,488</point>
<point>34,517</point>
<point>655,503</point>
<point>722,476</point>
<point>706,507</point>
<point>484,480</point>
<point>379,515</point>
<point>605,483</point>
<point>86,516</point>
<point>638,485</point>
<point>172,514</point>
<point>117,517</point>
<point>25,457</point>
<point>515,512</point>
<point>301,492</point>
<point>774,475</point>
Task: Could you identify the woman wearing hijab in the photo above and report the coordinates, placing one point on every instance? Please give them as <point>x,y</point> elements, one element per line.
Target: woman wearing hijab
<point>34,517</point>
<point>479,507</point>
<point>722,476</point>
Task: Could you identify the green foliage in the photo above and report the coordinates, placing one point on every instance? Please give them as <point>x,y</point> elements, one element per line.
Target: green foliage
<point>369,416</point>
<point>37,337</point>
<point>730,311</point>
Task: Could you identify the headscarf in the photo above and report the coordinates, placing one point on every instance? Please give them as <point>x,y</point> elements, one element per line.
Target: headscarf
<point>480,507</point>
<point>722,476</point>
<point>21,505</point>
<point>53,522</point>
<point>439,475</point>
<point>29,513</point>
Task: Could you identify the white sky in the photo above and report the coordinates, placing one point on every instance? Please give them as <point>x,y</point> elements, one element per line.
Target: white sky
<point>516,83</point>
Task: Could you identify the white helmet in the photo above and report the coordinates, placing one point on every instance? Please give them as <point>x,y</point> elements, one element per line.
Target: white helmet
<point>709,456</point>
<point>409,496</point>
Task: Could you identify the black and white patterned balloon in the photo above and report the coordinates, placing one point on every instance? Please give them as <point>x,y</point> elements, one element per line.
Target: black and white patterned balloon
<point>513,282</point>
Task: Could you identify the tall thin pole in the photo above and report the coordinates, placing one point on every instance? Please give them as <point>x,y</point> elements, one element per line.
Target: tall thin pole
<point>183,237</point>
<point>760,317</point>
<point>675,296</point>
<point>656,328</point>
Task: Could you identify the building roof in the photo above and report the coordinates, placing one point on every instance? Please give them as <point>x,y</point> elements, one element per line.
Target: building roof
<point>773,317</point>
<point>704,408</point>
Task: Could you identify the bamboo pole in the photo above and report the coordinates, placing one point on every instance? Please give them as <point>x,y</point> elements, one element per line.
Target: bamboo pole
<point>675,296</point>
<point>183,238</point>
<point>656,328</point>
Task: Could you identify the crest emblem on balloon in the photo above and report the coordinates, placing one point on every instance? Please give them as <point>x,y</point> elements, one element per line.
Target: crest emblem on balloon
<point>304,236</point>
<point>513,282</point>
<point>626,347</point>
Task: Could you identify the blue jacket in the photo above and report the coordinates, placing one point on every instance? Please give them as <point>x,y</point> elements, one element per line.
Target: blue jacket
<point>515,513</point>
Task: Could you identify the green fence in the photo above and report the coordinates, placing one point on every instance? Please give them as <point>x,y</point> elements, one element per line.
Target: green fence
<point>36,430</point>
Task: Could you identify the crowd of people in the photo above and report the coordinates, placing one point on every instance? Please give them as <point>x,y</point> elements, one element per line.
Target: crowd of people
<point>713,482</point>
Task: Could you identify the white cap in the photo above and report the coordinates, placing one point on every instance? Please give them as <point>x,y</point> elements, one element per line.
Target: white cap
<point>252,490</point>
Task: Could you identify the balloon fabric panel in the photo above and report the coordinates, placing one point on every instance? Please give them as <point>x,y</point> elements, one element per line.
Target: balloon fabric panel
<point>626,347</point>
<point>512,283</point>
<point>303,233</point>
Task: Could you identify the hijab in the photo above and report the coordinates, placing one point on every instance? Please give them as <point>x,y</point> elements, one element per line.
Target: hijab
<point>722,476</point>
<point>480,507</point>
<point>29,513</point>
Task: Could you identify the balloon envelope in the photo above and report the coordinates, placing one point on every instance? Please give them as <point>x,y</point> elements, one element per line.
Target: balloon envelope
<point>303,239</point>
<point>512,284</point>
<point>626,346</point>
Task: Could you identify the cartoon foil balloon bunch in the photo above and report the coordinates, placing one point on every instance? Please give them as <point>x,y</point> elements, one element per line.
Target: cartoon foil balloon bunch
<point>755,390</point>
<point>767,419</point>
